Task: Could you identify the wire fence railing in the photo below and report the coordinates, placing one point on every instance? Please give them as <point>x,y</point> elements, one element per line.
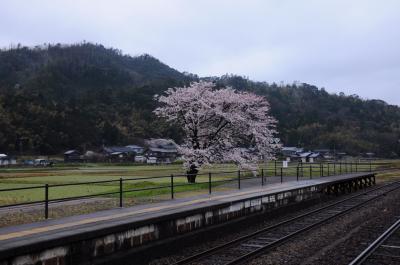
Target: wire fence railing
<point>175,183</point>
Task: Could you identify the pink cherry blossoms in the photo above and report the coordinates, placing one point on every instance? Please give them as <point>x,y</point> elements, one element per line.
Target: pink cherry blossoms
<point>220,125</point>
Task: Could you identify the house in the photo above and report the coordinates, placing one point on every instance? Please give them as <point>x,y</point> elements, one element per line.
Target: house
<point>151,160</point>
<point>3,159</point>
<point>140,159</point>
<point>122,153</point>
<point>91,156</point>
<point>291,151</point>
<point>136,148</point>
<point>304,156</point>
<point>6,160</point>
<point>119,153</point>
<point>314,157</point>
<point>325,153</point>
<point>161,150</point>
<point>310,157</point>
<point>72,156</point>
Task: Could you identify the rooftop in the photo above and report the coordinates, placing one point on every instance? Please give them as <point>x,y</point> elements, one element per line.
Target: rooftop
<point>70,152</point>
<point>133,146</point>
<point>121,149</point>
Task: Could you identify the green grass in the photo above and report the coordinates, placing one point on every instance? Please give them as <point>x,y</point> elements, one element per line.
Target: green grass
<point>25,177</point>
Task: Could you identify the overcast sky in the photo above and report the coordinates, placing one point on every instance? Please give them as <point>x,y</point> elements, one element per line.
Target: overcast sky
<point>348,46</point>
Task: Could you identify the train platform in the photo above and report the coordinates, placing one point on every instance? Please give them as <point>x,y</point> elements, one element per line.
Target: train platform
<point>101,234</point>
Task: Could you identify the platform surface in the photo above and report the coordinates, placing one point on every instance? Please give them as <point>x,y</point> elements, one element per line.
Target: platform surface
<point>49,230</point>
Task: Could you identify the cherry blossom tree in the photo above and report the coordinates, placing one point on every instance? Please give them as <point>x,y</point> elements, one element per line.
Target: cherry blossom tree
<point>220,125</point>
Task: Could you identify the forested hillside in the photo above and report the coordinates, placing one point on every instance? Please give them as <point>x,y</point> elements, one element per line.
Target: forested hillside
<point>57,97</point>
<point>312,118</point>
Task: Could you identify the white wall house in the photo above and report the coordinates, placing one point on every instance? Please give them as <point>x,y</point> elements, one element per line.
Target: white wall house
<point>5,160</point>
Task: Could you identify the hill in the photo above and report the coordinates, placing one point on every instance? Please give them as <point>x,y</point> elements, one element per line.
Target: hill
<point>57,97</point>
<point>312,118</point>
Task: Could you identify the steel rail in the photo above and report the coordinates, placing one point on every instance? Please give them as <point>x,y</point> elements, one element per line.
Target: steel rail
<point>363,256</point>
<point>237,241</point>
<point>307,228</point>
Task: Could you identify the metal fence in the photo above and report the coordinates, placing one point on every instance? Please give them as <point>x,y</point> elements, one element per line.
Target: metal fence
<point>210,180</point>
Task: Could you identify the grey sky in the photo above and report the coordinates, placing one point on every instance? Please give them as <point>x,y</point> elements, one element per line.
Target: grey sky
<point>349,46</point>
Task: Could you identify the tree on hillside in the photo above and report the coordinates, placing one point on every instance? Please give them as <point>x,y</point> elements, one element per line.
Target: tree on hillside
<point>219,125</point>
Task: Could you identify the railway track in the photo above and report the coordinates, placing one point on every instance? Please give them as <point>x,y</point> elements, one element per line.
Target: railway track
<point>385,250</point>
<point>250,246</point>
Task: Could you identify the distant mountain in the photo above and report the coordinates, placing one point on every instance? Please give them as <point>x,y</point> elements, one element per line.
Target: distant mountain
<point>58,97</point>
<point>65,72</point>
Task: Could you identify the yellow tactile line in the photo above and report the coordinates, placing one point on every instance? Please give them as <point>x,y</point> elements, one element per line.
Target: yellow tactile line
<point>110,217</point>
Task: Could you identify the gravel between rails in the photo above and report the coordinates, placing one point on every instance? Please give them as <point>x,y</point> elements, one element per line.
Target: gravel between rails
<point>339,241</point>
<point>311,247</point>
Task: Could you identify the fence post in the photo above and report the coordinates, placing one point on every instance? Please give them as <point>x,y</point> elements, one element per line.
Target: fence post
<point>172,186</point>
<point>329,170</point>
<point>340,165</point>
<point>46,201</point>
<point>239,179</point>
<point>262,177</point>
<point>297,173</point>
<point>275,168</point>
<point>356,166</point>
<point>310,171</point>
<point>281,175</point>
<point>334,168</point>
<point>120,192</point>
<point>321,167</point>
<point>209,183</point>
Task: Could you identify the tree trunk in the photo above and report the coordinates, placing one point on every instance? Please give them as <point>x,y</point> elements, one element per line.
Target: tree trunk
<point>191,174</point>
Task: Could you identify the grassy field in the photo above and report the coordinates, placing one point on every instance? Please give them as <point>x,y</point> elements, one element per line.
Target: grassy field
<point>75,174</point>
<point>31,177</point>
